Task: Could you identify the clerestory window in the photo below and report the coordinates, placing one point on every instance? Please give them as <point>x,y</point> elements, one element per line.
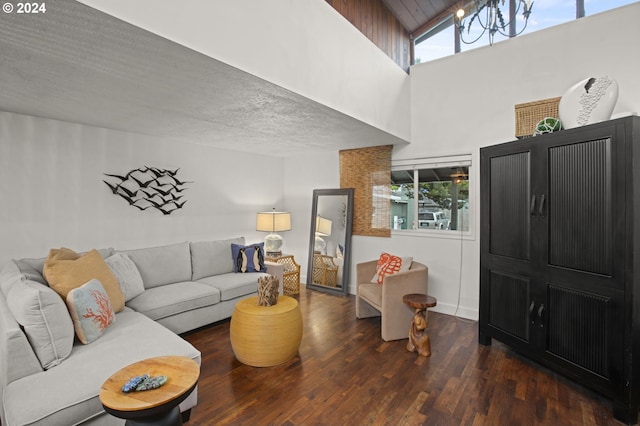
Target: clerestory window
<point>441,39</point>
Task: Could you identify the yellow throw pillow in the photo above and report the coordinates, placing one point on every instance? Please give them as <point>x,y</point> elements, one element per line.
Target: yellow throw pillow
<point>62,253</point>
<point>65,270</point>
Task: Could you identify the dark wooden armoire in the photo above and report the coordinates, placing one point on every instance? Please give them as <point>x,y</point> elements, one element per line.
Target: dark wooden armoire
<point>560,243</point>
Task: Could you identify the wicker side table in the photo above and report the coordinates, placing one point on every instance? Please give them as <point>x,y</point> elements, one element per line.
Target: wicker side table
<point>291,284</point>
<point>325,272</point>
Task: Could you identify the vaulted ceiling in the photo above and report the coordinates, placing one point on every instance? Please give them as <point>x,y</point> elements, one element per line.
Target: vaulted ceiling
<point>417,15</point>
<point>78,64</point>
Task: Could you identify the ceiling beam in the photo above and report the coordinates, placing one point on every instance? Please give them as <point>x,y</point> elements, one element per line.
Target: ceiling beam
<point>433,21</point>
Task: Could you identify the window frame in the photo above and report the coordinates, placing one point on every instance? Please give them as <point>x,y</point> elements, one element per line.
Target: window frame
<point>451,161</point>
<point>445,20</point>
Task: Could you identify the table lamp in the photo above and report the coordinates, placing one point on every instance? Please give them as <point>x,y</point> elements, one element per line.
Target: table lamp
<point>323,229</point>
<point>273,222</point>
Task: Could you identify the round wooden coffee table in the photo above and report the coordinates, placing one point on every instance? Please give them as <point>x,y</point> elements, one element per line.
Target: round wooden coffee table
<point>418,338</point>
<point>156,406</point>
<point>263,336</point>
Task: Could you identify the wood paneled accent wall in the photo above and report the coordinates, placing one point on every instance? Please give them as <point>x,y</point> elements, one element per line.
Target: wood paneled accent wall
<point>378,24</point>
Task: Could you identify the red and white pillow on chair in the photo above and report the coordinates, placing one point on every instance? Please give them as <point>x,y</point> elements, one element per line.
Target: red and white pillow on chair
<point>389,264</point>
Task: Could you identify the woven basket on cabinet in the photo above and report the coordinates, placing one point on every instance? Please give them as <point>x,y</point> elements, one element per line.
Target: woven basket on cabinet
<point>529,114</point>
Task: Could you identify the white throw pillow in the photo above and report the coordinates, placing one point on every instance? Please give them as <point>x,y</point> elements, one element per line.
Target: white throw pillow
<point>127,274</point>
<point>389,264</point>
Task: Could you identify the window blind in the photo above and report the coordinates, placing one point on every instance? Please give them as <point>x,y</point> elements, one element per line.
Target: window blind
<point>368,172</point>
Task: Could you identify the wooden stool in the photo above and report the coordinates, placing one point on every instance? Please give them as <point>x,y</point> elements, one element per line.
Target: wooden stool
<point>263,336</point>
<point>418,337</point>
<point>156,406</point>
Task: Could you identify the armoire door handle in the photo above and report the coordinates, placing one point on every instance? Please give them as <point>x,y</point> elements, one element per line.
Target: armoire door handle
<point>541,206</point>
<point>532,308</point>
<point>540,313</point>
<point>533,205</point>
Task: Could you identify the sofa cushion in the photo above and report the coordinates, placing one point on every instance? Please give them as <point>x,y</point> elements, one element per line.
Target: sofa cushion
<point>212,257</point>
<point>131,338</point>
<point>35,263</point>
<point>65,270</point>
<point>127,275</point>
<point>30,272</point>
<point>41,313</point>
<point>234,285</point>
<point>171,299</point>
<point>38,263</point>
<point>90,311</point>
<point>162,265</point>
<point>249,258</point>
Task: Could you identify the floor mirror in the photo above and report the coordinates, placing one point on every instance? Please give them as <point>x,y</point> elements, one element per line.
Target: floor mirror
<point>330,240</point>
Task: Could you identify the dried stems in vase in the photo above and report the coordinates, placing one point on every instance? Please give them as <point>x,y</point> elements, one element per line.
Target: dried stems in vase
<point>268,290</point>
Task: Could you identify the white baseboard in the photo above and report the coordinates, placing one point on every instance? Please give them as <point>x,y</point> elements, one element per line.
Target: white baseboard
<point>458,311</point>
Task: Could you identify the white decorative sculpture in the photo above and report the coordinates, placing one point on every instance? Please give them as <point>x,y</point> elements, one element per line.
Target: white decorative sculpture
<point>589,101</point>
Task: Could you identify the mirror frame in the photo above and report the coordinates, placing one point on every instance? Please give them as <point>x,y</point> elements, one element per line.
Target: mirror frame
<point>346,266</point>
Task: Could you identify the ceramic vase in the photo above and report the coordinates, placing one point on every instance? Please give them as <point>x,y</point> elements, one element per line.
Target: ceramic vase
<point>589,101</point>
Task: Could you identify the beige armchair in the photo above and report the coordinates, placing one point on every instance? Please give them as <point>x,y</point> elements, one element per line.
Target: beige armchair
<point>385,300</point>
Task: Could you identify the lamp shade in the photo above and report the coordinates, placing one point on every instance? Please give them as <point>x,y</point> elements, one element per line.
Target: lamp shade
<point>323,226</point>
<point>273,221</point>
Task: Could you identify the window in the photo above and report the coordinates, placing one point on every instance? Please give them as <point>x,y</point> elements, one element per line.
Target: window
<point>431,194</point>
<point>436,43</point>
<point>439,40</point>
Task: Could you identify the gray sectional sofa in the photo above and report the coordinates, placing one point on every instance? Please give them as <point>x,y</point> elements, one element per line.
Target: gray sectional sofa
<point>48,378</point>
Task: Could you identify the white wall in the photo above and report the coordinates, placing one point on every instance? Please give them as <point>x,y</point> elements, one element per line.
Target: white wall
<point>475,105</point>
<point>52,192</point>
<point>463,102</point>
<point>302,45</point>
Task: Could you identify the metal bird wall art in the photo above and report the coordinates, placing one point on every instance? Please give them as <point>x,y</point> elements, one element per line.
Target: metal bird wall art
<point>150,187</point>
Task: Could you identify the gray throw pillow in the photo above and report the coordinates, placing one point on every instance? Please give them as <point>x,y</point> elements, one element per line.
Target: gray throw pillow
<point>127,274</point>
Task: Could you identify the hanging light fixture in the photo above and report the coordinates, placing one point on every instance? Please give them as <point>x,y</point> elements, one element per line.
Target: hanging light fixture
<point>489,17</point>
<point>459,175</point>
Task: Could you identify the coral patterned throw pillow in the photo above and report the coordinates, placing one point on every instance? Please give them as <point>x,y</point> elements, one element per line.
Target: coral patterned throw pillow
<point>389,264</point>
<point>90,310</point>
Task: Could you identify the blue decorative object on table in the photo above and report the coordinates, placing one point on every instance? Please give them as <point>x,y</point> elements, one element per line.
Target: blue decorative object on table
<point>143,382</point>
<point>133,383</point>
<point>152,383</point>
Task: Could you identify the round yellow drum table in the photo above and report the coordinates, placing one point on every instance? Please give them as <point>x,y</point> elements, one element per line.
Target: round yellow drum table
<point>263,336</point>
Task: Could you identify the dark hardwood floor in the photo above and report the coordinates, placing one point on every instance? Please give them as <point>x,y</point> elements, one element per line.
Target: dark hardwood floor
<point>345,374</point>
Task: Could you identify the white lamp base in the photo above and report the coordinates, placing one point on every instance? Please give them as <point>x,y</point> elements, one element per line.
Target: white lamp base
<point>272,244</point>
<point>319,245</point>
